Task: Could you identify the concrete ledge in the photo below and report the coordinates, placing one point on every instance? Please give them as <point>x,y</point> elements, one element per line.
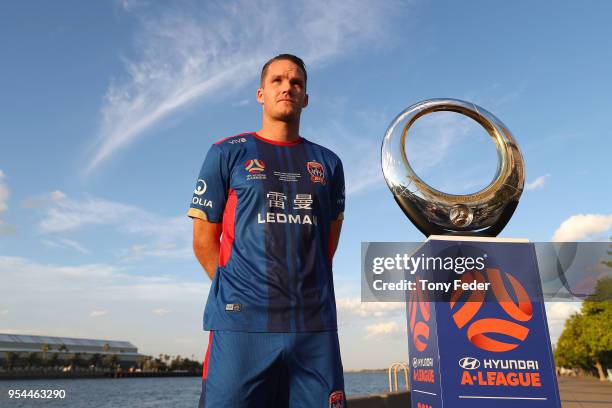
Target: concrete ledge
<point>395,400</point>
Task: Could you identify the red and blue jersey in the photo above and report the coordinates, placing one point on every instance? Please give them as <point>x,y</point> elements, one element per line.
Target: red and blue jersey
<point>276,202</point>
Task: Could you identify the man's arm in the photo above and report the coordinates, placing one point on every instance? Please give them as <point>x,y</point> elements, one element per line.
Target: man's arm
<point>206,244</point>
<point>336,227</point>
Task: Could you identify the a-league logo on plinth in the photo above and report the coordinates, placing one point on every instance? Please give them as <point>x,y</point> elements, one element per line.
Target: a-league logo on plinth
<point>469,348</point>
<point>477,337</point>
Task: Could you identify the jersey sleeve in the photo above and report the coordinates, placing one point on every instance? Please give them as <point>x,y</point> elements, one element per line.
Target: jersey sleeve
<point>210,194</point>
<point>337,192</point>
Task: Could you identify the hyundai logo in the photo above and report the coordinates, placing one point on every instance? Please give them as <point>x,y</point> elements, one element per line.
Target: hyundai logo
<point>469,363</point>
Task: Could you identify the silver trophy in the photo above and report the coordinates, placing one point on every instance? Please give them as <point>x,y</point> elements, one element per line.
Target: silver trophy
<point>484,213</point>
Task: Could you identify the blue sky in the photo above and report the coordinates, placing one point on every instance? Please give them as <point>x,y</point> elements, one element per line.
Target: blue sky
<point>109,107</point>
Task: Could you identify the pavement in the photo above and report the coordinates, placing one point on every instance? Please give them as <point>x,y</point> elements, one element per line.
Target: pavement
<point>585,393</point>
<point>576,392</point>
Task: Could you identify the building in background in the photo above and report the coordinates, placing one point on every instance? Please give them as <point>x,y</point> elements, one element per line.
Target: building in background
<point>27,350</point>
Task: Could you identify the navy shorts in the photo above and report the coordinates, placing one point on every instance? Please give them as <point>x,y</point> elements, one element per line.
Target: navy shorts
<point>243,369</point>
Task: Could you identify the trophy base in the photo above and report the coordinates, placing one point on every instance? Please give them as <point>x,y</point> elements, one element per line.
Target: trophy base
<point>474,238</point>
<point>481,345</point>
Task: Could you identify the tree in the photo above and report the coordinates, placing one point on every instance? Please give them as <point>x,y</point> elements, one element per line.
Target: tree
<point>142,361</point>
<point>45,349</point>
<point>586,341</point>
<point>76,361</point>
<point>32,360</point>
<point>53,360</point>
<point>11,360</point>
<point>111,361</point>
<point>95,360</point>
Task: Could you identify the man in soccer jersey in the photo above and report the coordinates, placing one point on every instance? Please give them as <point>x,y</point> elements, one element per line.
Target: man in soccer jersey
<point>267,211</point>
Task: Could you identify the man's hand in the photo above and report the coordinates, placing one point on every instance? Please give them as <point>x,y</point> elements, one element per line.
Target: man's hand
<point>206,244</point>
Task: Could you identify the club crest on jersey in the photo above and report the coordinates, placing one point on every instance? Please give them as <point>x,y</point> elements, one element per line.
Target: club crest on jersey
<point>254,166</point>
<point>336,399</point>
<point>317,173</point>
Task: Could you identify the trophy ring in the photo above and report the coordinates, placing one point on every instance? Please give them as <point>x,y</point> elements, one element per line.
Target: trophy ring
<point>484,213</point>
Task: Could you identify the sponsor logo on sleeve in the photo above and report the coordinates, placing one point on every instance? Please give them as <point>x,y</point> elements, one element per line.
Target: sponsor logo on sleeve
<point>199,191</point>
<point>200,188</point>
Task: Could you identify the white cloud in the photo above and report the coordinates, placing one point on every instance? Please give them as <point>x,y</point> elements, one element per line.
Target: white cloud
<point>44,200</point>
<point>243,102</point>
<point>537,183</point>
<point>183,56</point>
<point>57,195</point>
<point>443,130</point>
<point>362,162</point>
<point>5,193</point>
<point>557,313</point>
<point>561,310</point>
<point>170,235</point>
<point>69,214</point>
<point>88,282</point>
<point>161,311</point>
<point>67,243</point>
<point>188,341</point>
<point>138,248</point>
<point>382,330</point>
<point>354,306</point>
<point>98,313</point>
<point>37,293</point>
<point>581,226</point>
<point>3,312</point>
<point>33,332</point>
<point>6,228</point>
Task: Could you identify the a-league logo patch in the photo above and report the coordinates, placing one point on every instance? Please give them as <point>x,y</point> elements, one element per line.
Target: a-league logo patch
<point>317,173</point>
<point>254,166</point>
<point>336,399</point>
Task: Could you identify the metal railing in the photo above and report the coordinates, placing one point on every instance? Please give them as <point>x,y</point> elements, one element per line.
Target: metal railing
<point>395,367</point>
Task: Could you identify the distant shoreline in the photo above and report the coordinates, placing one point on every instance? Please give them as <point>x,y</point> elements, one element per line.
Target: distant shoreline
<point>46,375</point>
<point>42,375</point>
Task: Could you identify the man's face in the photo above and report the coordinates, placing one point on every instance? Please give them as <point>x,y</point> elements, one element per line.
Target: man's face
<point>283,92</point>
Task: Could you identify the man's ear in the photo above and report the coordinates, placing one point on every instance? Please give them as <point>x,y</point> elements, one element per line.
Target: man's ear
<point>260,96</point>
<point>305,101</point>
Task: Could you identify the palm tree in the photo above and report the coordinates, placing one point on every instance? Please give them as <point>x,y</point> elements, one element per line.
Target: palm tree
<point>32,359</point>
<point>95,360</point>
<point>53,360</point>
<point>11,360</point>
<point>76,361</point>
<point>141,362</point>
<point>45,349</point>
<point>115,362</point>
